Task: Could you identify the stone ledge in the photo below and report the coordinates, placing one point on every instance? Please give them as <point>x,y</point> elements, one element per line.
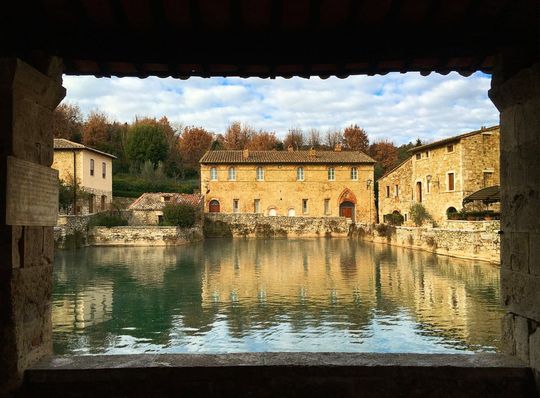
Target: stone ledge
<point>281,374</point>
<point>276,359</point>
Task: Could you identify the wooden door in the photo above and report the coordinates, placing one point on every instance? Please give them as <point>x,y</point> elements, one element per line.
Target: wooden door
<point>214,206</point>
<point>346,212</point>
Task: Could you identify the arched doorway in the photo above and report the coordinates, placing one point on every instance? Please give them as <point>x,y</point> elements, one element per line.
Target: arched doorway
<point>213,206</point>
<point>291,213</point>
<point>272,212</point>
<point>346,209</point>
<point>419,192</point>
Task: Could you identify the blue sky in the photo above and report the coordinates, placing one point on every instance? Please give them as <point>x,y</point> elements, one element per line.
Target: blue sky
<point>399,107</point>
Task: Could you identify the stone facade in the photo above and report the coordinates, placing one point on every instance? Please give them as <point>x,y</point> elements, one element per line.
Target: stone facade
<point>395,191</point>
<point>470,160</point>
<point>257,225</point>
<point>476,240</point>
<point>97,181</point>
<point>274,187</point>
<point>143,236</point>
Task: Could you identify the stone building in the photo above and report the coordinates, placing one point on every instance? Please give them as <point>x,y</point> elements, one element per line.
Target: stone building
<point>148,208</point>
<point>441,174</point>
<point>289,183</point>
<point>91,168</point>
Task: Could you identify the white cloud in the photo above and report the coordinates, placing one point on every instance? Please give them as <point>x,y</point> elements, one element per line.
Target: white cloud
<point>400,107</point>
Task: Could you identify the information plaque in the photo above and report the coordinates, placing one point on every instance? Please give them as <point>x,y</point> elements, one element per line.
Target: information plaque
<point>31,194</point>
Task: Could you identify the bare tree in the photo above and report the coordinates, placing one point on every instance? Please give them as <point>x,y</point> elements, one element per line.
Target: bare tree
<point>294,138</point>
<point>333,138</point>
<point>314,138</point>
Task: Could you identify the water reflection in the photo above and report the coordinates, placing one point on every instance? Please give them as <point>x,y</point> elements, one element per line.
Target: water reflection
<point>272,295</point>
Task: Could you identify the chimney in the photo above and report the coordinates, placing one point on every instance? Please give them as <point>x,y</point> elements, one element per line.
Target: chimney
<point>290,148</point>
<point>337,148</point>
<point>312,152</point>
<point>245,153</point>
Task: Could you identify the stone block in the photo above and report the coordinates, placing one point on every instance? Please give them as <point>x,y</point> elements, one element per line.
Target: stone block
<point>521,293</point>
<point>534,253</point>
<point>521,337</point>
<point>508,339</point>
<point>534,349</point>
<point>33,247</point>
<point>515,251</point>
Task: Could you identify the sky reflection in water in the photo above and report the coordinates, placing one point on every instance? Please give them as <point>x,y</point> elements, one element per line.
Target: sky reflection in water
<point>222,296</point>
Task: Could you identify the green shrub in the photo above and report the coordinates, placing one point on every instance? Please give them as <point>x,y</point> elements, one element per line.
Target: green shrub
<point>179,215</point>
<point>133,186</point>
<point>108,220</point>
<point>419,214</point>
<point>393,218</point>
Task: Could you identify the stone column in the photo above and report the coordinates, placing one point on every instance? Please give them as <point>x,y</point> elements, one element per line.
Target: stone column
<point>28,97</point>
<point>516,93</point>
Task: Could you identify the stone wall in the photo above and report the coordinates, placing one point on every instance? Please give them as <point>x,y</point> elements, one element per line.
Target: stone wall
<point>71,231</point>
<point>143,236</point>
<point>517,96</point>
<point>479,240</point>
<point>389,199</point>
<point>256,225</point>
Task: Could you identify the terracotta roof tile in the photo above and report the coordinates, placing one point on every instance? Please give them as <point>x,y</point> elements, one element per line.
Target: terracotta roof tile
<point>286,157</point>
<point>449,140</point>
<point>155,201</point>
<point>62,143</point>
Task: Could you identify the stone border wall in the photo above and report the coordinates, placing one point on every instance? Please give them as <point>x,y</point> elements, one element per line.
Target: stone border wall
<point>478,240</point>
<point>218,225</point>
<point>143,236</point>
<point>71,231</point>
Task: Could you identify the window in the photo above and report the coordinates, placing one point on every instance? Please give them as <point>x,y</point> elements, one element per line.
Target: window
<point>427,154</point>
<point>260,174</point>
<point>327,206</point>
<point>232,174</point>
<point>451,181</point>
<point>388,191</point>
<point>103,202</point>
<point>104,169</point>
<point>257,206</point>
<point>354,173</point>
<point>488,179</point>
<point>450,148</point>
<point>331,174</point>
<point>405,217</point>
<point>418,156</point>
<point>304,206</point>
<point>300,174</point>
<point>213,174</point>
<point>91,167</point>
<point>396,191</point>
<point>235,205</point>
<point>428,185</point>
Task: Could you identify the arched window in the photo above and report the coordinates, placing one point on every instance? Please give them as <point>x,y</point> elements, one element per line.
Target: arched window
<point>451,212</point>
<point>331,174</point>
<point>213,174</point>
<point>260,174</point>
<point>272,212</point>
<point>300,174</point>
<point>232,174</point>
<point>291,213</point>
<point>354,173</point>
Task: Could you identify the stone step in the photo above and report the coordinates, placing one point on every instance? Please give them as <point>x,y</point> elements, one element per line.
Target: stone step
<point>281,375</point>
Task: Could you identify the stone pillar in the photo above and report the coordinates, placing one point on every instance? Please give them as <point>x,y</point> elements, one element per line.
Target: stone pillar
<point>516,93</point>
<point>28,97</point>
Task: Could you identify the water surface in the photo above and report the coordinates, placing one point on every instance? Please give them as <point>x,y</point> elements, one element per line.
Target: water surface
<point>222,296</point>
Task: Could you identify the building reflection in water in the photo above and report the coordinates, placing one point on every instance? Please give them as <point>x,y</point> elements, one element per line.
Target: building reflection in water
<point>273,295</point>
